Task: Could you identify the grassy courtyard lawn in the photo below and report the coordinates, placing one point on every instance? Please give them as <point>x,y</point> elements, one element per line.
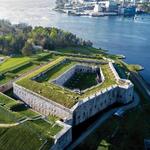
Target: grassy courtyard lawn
<point>13,62</point>
<point>109,81</point>
<point>81,81</point>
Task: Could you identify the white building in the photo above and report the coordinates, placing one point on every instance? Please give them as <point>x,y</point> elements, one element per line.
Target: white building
<point>97,8</point>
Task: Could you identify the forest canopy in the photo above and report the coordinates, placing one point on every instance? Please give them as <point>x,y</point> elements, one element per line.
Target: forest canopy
<point>22,39</point>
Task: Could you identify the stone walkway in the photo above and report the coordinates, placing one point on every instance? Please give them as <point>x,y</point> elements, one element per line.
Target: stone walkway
<point>7,125</point>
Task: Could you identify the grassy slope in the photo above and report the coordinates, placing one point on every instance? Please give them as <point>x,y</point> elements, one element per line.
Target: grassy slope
<point>27,136</point>
<point>13,62</point>
<point>55,72</point>
<point>81,50</point>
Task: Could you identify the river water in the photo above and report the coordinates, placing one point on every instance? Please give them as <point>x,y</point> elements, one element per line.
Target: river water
<point>117,34</point>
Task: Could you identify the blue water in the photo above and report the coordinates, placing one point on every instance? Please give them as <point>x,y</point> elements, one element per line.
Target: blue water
<point>117,34</point>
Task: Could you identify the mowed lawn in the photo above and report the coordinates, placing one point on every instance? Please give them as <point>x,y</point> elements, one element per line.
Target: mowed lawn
<point>30,135</point>
<point>22,137</point>
<point>13,62</point>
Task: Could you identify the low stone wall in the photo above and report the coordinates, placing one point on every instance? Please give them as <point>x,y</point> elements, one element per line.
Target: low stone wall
<point>40,103</point>
<point>45,71</point>
<point>63,138</point>
<point>6,87</point>
<point>96,61</point>
<point>64,77</point>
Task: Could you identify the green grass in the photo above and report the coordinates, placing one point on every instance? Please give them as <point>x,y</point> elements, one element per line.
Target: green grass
<point>16,72</point>
<point>81,81</point>
<point>6,116</point>
<point>134,67</point>
<point>13,62</point>
<point>13,67</point>
<point>6,104</point>
<point>29,135</point>
<point>61,70</point>
<point>55,72</point>
<point>19,138</point>
<point>80,50</point>
<point>26,69</point>
<point>5,80</point>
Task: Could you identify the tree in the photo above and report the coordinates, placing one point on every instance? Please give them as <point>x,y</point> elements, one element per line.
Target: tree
<point>27,49</point>
<point>53,34</point>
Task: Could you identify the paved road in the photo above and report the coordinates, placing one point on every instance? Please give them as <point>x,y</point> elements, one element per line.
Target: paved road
<point>102,119</point>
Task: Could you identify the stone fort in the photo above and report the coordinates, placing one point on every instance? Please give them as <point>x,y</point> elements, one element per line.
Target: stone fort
<point>50,97</point>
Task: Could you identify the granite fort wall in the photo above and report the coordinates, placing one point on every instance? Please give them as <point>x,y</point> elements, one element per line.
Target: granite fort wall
<point>40,103</point>
<point>63,138</point>
<point>125,94</point>
<point>64,77</point>
<point>83,109</point>
<point>126,88</point>
<point>90,106</point>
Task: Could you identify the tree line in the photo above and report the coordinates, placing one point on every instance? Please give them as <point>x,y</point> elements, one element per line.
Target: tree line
<point>22,39</point>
